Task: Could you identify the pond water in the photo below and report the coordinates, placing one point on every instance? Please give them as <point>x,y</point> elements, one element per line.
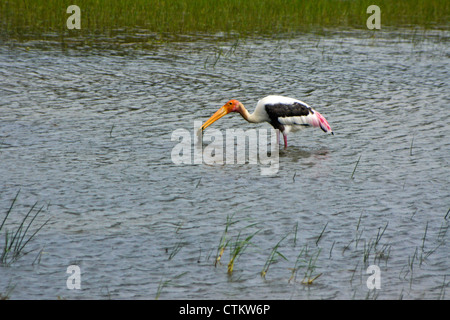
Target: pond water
<point>87,135</point>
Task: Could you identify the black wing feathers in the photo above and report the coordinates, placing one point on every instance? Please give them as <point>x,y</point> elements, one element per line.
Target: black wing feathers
<point>280,110</point>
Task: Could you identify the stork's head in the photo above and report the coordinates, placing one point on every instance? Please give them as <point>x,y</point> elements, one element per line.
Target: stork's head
<point>230,106</point>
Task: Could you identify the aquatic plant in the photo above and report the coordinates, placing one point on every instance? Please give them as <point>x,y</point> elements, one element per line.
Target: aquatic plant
<point>306,261</point>
<point>165,283</point>
<point>41,19</point>
<point>272,257</point>
<point>236,244</point>
<point>17,239</point>
<point>238,249</point>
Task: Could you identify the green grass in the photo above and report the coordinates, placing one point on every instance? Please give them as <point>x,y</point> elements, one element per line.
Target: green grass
<point>40,18</point>
<point>165,283</point>
<point>237,249</point>
<point>273,257</point>
<point>307,261</point>
<point>236,244</point>
<point>17,239</point>
<point>356,165</point>
<point>224,241</point>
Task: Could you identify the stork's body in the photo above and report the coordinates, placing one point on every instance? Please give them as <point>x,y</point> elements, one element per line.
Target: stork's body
<point>283,113</point>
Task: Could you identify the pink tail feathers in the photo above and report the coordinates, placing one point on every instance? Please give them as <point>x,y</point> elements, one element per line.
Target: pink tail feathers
<point>323,123</point>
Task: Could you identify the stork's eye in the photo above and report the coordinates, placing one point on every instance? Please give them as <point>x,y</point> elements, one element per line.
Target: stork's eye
<point>230,103</point>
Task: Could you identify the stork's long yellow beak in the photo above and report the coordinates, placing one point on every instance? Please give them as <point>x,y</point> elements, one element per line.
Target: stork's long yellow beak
<point>216,116</point>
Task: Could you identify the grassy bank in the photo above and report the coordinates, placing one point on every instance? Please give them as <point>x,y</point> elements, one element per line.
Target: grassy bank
<point>37,18</point>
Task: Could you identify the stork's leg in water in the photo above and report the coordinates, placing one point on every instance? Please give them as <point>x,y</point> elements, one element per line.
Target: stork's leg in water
<point>285,141</point>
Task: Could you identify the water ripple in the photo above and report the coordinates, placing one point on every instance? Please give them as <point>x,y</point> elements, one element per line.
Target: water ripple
<point>88,134</point>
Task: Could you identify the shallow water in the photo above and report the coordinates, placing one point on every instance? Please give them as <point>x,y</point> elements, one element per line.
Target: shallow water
<point>87,135</point>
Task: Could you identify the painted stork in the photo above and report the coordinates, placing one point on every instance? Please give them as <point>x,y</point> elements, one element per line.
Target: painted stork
<point>283,113</point>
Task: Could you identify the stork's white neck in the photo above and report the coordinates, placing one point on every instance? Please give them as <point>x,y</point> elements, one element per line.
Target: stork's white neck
<point>250,117</point>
